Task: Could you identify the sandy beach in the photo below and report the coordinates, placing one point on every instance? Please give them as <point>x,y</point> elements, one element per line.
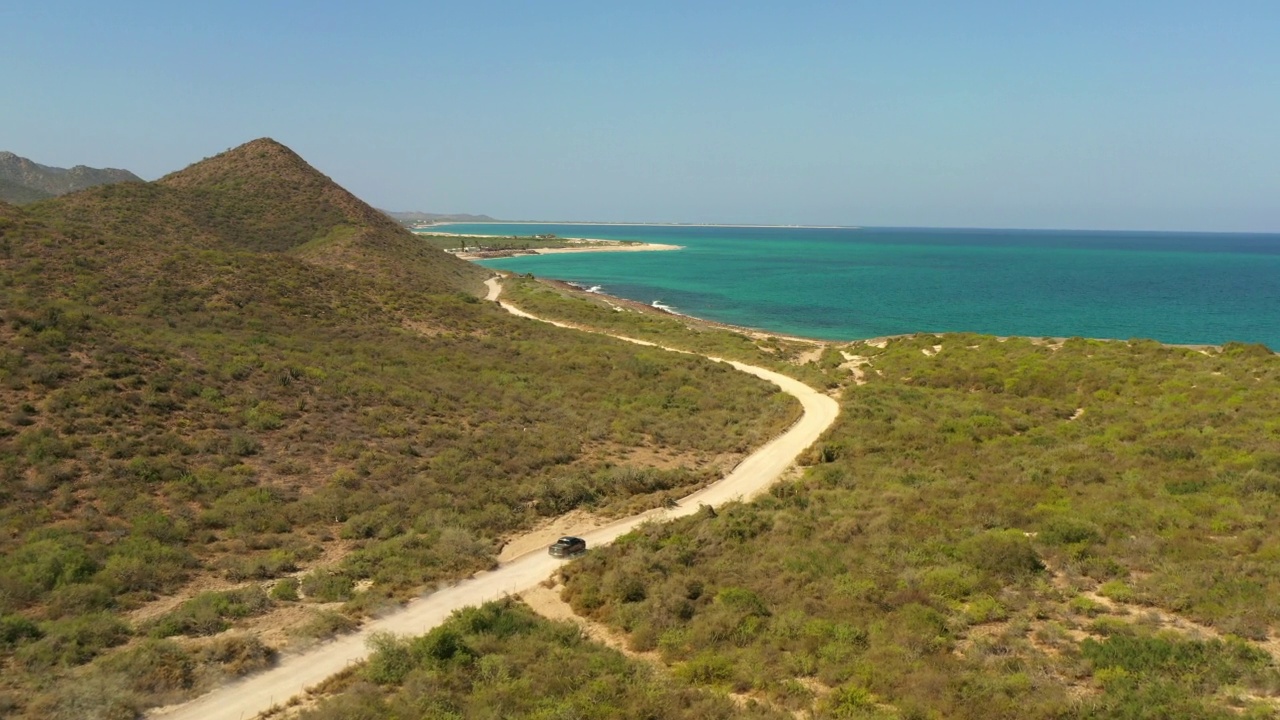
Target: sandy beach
<point>595,246</point>
<point>623,247</point>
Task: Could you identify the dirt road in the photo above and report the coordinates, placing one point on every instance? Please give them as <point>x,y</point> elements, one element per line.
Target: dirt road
<point>248,697</point>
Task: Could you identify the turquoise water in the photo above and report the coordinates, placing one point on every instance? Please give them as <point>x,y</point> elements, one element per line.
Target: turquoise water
<point>849,283</point>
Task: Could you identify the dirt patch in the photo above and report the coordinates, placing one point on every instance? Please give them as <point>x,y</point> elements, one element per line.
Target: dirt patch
<point>1053,344</point>
<point>978,633</point>
<point>210,581</point>
<point>422,328</point>
<point>278,628</point>
<point>809,356</point>
<point>855,364</point>
<point>546,602</point>
<point>201,583</point>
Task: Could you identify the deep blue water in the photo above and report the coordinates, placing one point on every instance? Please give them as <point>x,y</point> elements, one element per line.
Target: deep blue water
<point>849,283</point>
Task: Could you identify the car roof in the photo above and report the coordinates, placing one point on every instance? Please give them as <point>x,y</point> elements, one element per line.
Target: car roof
<point>568,539</point>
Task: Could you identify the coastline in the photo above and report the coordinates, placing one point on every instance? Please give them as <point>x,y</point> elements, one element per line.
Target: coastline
<point>598,246</point>
<point>1173,287</point>
<point>639,224</point>
<point>639,247</point>
<point>879,340</point>
<point>639,306</point>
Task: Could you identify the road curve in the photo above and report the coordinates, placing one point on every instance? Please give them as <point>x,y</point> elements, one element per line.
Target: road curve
<point>295,672</point>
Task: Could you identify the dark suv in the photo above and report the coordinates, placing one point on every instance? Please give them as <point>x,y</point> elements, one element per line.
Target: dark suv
<point>568,547</point>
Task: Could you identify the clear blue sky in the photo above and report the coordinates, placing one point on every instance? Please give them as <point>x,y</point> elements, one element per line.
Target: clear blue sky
<point>1144,115</point>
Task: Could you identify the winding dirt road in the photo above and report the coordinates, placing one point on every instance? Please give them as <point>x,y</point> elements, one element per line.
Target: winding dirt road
<point>246,698</point>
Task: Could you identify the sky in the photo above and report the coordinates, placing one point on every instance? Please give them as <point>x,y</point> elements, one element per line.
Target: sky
<point>1084,115</point>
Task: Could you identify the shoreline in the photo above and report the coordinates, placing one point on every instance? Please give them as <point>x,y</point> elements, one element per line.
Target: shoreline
<point>640,306</point>
<point>641,224</point>
<point>599,246</point>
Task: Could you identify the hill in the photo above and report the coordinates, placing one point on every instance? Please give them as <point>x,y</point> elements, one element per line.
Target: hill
<point>23,181</point>
<point>436,217</point>
<point>18,194</point>
<point>269,198</point>
<point>242,380</point>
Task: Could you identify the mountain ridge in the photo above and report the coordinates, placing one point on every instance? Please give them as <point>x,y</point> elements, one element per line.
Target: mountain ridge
<point>35,181</point>
<point>417,216</point>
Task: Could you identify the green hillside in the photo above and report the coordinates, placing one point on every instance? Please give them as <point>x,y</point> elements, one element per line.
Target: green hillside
<point>19,194</point>
<point>993,529</point>
<point>243,373</point>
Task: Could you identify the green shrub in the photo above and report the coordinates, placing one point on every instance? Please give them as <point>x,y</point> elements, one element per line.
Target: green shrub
<point>237,655</point>
<point>79,599</point>
<point>850,702</point>
<point>1205,664</point>
<point>1068,531</point>
<point>261,566</point>
<point>327,586</point>
<point>1117,590</point>
<point>208,612</point>
<point>1006,555</point>
<point>743,600</point>
<point>325,624</point>
<point>285,589</point>
<point>144,563</point>
<point>72,641</point>
<point>154,666</point>
<point>706,668</point>
<point>442,645</point>
<point>984,609</point>
<point>41,565</point>
<point>392,659</point>
<point>15,629</point>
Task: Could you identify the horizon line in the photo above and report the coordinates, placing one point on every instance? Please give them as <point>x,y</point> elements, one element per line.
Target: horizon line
<point>852,227</point>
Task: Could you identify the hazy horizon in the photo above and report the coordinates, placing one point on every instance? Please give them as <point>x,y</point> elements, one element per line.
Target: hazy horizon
<point>976,228</point>
<point>1152,116</point>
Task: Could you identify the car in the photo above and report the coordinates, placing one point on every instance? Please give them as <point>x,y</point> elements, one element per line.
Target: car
<point>568,547</point>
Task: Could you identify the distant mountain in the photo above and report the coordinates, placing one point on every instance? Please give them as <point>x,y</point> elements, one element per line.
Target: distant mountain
<point>24,181</point>
<point>18,194</point>
<point>436,217</point>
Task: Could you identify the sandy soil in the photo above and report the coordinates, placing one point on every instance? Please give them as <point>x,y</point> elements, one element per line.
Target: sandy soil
<point>642,247</point>
<point>612,246</point>
<point>257,693</point>
<point>546,602</point>
<point>855,364</point>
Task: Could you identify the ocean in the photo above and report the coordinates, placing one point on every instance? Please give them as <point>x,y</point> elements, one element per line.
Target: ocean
<point>853,283</point>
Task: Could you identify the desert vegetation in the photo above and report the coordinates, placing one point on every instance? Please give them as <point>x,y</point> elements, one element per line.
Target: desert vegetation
<point>993,529</point>
<point>502,661</point>
<point>240,391</point>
